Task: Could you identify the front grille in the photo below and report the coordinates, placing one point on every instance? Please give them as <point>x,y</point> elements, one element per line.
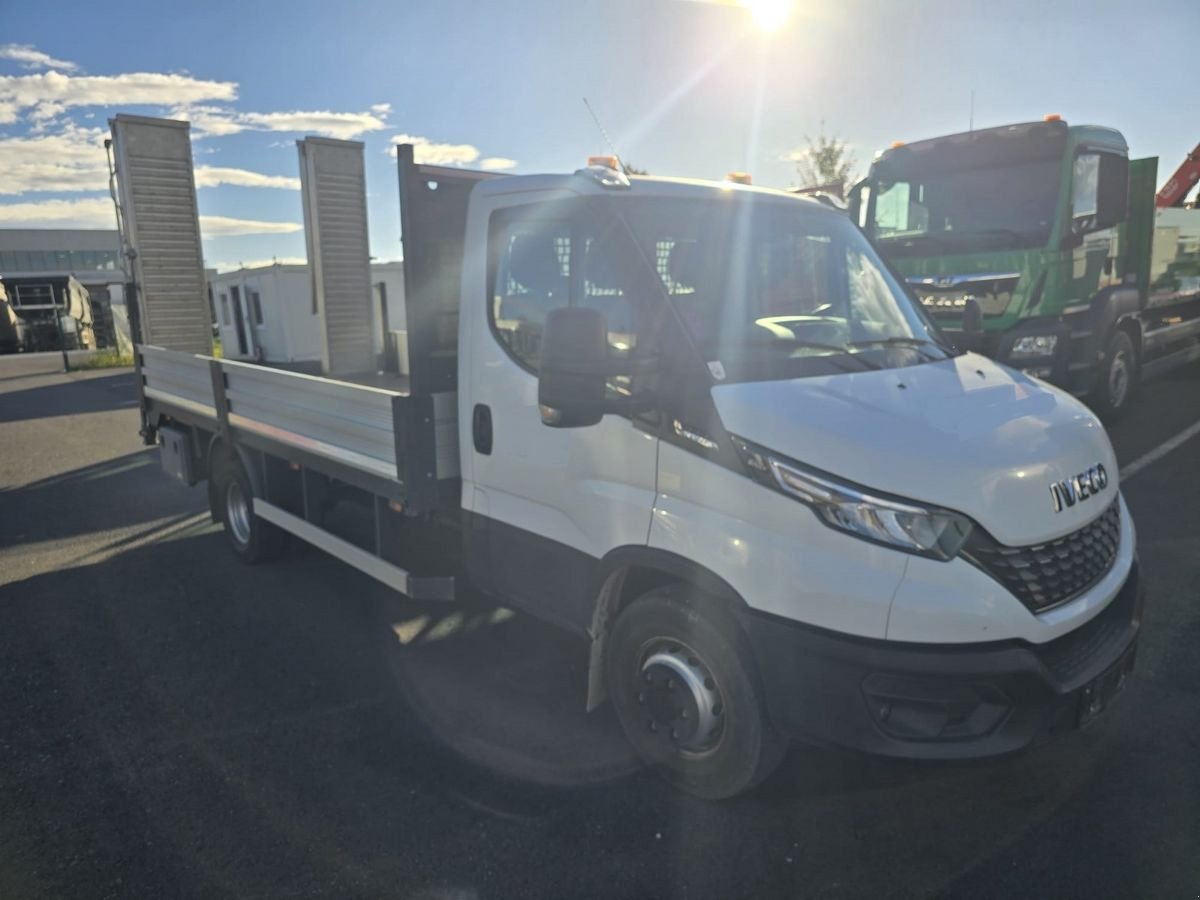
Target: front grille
<point>1044,575</point>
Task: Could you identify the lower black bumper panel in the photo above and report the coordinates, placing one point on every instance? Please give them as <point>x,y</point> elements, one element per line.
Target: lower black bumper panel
<point>943,702</point>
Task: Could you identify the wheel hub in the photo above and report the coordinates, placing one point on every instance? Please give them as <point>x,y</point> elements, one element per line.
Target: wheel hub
<point>237,512</point>
<point>1118,379</point>
<point>681,700</point>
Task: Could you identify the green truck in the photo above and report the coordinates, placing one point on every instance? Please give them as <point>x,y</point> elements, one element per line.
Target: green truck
<point>1040,245</point>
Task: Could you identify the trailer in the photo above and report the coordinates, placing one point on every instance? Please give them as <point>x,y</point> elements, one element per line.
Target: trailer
<point>1044,246</point>
<point>740,499</point>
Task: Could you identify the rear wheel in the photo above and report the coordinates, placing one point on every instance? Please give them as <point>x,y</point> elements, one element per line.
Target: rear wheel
<point>1118,376</point>
<point>253,539</point>
<point>682,680</point>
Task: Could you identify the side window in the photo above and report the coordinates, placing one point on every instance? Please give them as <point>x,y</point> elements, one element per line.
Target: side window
<point>1085,185</point>
<point>531,276</point>
<point>891,208</point>
<point>224,308</point>
<point>256,303</point>
<point>607,265</point>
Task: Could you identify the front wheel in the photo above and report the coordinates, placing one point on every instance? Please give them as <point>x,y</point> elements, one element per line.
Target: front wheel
<point>687,694</point>
<point>1118,377</point>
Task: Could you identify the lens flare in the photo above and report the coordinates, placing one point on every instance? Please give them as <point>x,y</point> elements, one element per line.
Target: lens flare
<point>769,15</point>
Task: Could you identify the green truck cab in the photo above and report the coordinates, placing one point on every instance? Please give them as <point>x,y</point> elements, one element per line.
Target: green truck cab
<point>1037,245</point>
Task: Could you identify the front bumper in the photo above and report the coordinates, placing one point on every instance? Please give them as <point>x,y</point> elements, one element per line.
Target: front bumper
<point>937,701</point>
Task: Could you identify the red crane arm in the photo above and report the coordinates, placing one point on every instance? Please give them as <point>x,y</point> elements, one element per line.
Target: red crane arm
<point>1179,184</point>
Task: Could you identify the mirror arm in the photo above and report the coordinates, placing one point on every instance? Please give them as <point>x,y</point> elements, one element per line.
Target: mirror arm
<point>638,403</point>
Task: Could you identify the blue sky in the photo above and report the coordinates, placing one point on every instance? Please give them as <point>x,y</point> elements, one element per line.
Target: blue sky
<point>685,87</point>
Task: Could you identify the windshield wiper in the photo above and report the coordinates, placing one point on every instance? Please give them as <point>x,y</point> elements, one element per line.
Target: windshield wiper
<point>916,343</point>
<point>843,351</point>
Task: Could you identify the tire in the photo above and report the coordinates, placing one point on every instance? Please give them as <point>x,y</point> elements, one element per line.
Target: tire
<point>253,539</point>
<point>682,680</point>
<point>1118,377</point>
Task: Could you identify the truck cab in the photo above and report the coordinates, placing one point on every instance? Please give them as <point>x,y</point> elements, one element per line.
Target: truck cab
<point>1029,243</point>
<point>705,422</point>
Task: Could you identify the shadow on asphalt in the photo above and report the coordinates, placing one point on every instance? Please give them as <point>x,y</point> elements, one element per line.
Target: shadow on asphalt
<point>67,398</point>
<point>170,718</point>
<point>94,498</point>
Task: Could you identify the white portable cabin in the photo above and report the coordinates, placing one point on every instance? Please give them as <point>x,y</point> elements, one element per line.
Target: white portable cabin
<point>268,314</point>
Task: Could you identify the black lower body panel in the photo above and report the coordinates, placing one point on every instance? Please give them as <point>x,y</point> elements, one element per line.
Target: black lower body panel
<point>943,702</point>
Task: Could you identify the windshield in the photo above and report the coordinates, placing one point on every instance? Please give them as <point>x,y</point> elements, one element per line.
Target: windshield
<point>1004,206</point>
<point>773,289</point>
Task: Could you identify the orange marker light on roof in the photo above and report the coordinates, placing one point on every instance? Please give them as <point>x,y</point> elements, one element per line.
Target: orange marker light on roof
<point>1052,117</point>
<point>896,145</point>
<point>607,162</point>
<point>739,177</point>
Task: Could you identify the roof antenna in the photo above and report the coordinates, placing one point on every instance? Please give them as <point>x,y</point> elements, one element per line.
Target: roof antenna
<point>971,121</point>
<point>607,139</point>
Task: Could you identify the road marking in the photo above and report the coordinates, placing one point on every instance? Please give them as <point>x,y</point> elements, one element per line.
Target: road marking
<point>1159,452</point>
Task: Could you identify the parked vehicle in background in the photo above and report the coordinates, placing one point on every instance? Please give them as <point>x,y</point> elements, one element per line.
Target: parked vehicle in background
<point>45,312</point>
<point>1038,244</point>
<point>702,426</point>
<point>12,330</point>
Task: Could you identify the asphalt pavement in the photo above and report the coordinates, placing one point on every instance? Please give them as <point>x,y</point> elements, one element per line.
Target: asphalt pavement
<point>174,724</point>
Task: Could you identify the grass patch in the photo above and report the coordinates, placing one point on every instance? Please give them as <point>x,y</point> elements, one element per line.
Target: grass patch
<point>105,359</point>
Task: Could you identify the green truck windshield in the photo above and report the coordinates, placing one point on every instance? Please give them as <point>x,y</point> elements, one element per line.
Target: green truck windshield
<point>1004,206</point>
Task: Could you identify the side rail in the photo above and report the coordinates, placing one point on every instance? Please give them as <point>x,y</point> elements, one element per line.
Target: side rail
<point>342,422</point>
<point>179,380</point>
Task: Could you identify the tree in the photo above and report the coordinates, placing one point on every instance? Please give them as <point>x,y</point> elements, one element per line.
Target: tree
<point>826,163</point>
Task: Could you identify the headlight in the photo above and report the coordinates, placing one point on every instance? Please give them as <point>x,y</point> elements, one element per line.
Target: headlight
<point>1034,346</point>
<point>928,531</point>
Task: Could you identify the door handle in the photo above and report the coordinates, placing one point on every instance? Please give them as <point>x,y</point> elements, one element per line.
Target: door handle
<point>481,429</point>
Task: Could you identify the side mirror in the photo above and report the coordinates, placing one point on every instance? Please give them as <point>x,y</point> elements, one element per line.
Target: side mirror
<point>858,202</point>
<point>573,369</point>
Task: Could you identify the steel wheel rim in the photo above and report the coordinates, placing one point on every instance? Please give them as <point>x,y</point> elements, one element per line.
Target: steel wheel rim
<point>680,700</point>
<point>237,512</point>
<point>1118,379</point>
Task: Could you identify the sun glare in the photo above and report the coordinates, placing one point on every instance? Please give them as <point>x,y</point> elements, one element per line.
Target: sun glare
<point>769,15</point>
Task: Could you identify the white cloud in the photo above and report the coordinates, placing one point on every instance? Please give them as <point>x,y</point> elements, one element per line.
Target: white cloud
<point>346,126</point>
<point>56,91</point>
<point>212,176</point>
<point>82,212</point>
<point>69,160</point>
<point>217,121</point>
<point>32,58</point>
<point>432,153</point>
<point>97,212</point>
<point>73,159</point>
<point>497,163</point>
<point>257,263</point>
<point>381,109</point>
<point>223,226</point>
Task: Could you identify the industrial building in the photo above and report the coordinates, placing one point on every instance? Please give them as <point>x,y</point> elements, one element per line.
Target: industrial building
<point>36,264</point>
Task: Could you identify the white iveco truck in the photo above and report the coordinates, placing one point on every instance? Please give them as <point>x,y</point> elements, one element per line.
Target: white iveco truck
<point>703,425</point>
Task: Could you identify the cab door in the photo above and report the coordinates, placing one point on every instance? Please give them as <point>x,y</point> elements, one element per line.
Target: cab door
<point>553,501</point>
